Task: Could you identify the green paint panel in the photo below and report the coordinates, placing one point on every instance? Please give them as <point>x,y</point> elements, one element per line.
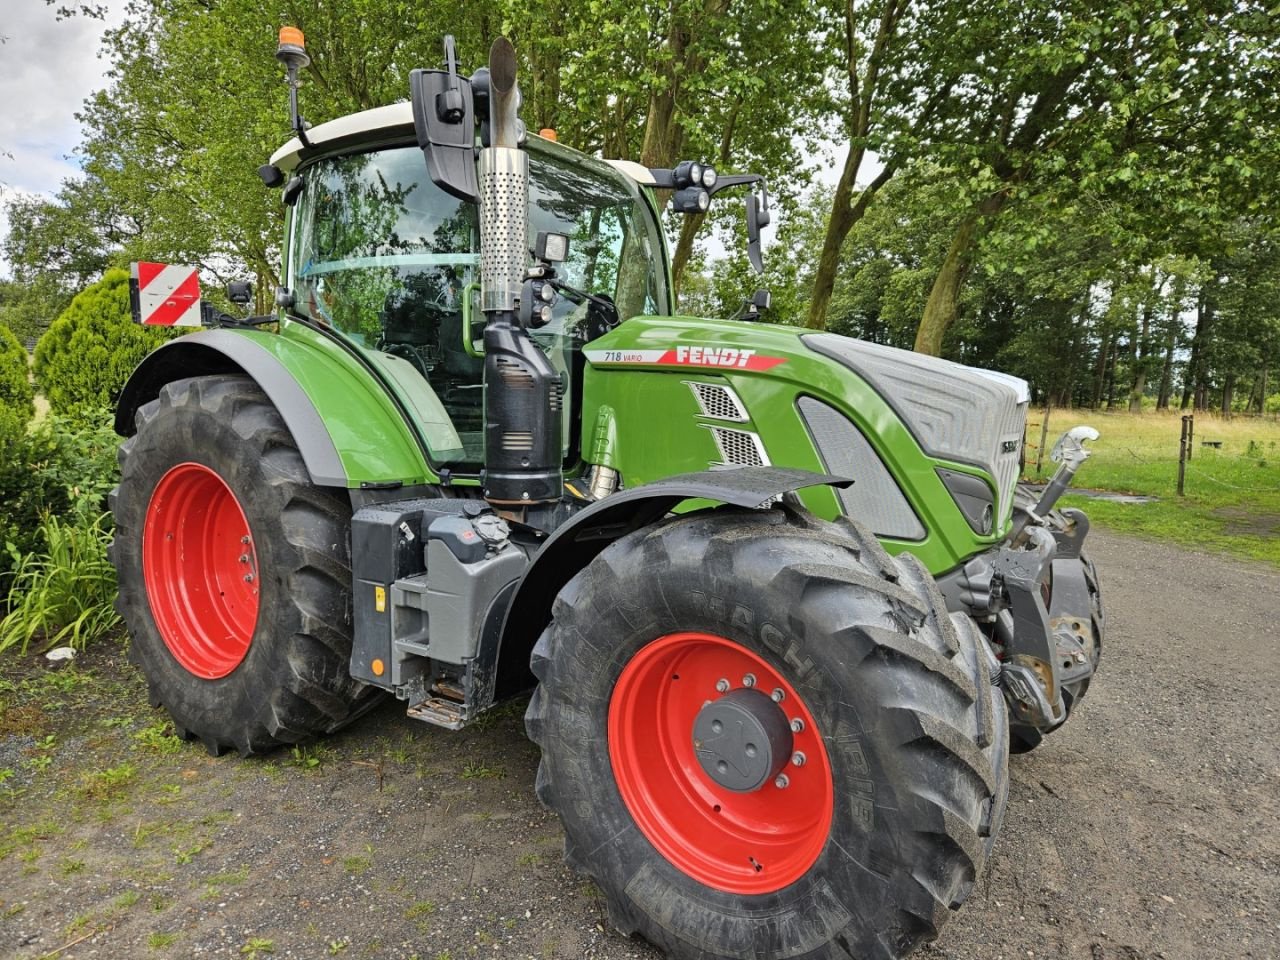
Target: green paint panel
<point>369,432</point>
<point>656,428</point>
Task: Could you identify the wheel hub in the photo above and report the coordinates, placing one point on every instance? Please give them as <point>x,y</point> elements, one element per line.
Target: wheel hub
<point>201,570</point>
<point>745,808</point>
<point>742,740</point>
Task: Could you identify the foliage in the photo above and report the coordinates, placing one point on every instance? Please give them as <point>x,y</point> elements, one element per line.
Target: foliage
<point>65,590</point>
<point>84,359</point>
<point>15,383</point>
<point>28,306</point>
<point>1079,191</point>
<point>173,144</point>
<point>57,467</point>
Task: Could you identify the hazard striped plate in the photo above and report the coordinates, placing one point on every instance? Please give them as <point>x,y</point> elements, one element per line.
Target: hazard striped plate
<point>164,294</point>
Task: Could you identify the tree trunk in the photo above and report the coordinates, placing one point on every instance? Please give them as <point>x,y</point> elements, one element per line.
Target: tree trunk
<point>1111,377</point>
<point>845,213</point>
<point>943,305</point>
<point>1228,395</point>
<point>1139,354</point>
<point>1189,382</point>
<point>693,222</point>
<point>1100,378</point>
<point>1166,375</point>
<point>684,247</point>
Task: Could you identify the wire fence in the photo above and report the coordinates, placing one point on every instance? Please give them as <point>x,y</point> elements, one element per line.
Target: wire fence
<point>1146,453</point>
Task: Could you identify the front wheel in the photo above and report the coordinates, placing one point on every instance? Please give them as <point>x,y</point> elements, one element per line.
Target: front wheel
<point>766,738</point>
<point>234,570</point>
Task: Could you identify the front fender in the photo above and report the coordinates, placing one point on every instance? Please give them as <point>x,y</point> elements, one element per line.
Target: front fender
<point>578,542</point>
<point>347,428</point>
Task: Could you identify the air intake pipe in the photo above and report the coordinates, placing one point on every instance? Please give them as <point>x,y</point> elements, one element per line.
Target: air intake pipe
<point>523,394</point>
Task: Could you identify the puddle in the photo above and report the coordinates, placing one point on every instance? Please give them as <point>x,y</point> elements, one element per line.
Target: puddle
<point>1103,494</point>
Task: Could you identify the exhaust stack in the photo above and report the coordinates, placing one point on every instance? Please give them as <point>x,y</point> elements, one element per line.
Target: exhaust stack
<point>523,394</point>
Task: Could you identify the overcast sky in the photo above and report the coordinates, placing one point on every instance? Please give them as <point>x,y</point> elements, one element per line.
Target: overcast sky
<point>47,69</point>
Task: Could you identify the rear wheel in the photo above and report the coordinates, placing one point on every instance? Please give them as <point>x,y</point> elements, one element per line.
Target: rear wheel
<point>767,738</point>
<point>235,580</point>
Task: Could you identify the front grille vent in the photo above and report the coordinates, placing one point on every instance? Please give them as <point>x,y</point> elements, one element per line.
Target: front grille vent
<point>718,402</point>
<point>740,448</point>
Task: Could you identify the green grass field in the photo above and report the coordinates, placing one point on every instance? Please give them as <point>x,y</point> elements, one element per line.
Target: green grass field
<point>1232,492</point>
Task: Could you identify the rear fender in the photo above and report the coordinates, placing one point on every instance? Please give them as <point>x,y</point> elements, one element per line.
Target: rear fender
<point>579,541</point>
<point>346,427</point>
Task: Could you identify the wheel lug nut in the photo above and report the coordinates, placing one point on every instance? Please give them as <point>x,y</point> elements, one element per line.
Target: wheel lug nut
<point>749,680</point>
<point>244,558</point>
<point>777,696</point>
<point>781,782</point>
<point>798,758</point>
<point>244,540</point>
<point>248,578</point>
<point>797,725</point>
<point>722,685</point>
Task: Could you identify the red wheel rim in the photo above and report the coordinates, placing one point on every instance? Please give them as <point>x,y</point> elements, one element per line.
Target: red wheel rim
<point>750,843</point>
<point>200,570</point>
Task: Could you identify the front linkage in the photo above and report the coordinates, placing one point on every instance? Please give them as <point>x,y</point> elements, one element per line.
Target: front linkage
<point>1037,596</point>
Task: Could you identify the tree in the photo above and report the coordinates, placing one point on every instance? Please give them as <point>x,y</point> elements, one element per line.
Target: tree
<point>1154,105</point>
<point>85,357</point>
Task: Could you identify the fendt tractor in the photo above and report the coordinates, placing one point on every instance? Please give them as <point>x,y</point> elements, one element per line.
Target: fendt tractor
<point>783,606</point>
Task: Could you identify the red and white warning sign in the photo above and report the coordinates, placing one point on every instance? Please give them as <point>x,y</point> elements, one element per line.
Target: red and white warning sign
<point>164,294</point>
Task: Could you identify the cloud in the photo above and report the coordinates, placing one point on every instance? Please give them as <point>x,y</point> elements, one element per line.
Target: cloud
<point>47,69</point>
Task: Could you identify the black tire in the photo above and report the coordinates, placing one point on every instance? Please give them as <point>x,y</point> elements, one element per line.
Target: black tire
<point>1022,738</point>
<point>293,682</point>
<point>902,693</point>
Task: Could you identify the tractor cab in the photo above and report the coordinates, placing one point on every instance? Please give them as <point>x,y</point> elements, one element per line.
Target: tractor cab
<point>382,256</point>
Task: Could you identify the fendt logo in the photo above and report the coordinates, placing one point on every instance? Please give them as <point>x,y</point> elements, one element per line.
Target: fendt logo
<point>689,356</point>
<point>714,356</point>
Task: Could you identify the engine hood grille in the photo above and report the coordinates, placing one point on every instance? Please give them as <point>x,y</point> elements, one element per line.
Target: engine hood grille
<point>954,412</point>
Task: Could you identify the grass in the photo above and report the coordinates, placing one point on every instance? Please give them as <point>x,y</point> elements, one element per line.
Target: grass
<point>65,591</point>
<point>1232,493</point>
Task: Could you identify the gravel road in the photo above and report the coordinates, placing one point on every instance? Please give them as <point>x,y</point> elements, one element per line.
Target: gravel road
<point>1149,827</point>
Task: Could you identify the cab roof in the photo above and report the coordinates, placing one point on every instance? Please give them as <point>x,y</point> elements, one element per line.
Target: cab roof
<point>394,122</point>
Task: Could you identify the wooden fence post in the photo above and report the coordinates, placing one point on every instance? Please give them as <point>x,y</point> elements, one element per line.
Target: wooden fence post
<point>1184,446</point>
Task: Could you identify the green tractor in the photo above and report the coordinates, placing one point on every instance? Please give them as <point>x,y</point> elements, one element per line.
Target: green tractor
<point>783,606</point>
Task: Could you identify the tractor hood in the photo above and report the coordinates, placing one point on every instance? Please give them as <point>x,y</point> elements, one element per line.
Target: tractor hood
<point>919,435</point>
<point>954,411</point>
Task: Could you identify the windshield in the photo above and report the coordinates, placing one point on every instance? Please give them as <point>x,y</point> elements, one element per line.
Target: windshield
<point>387,258</point>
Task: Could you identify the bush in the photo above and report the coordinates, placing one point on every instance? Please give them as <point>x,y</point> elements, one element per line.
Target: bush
<point>83,360</point>
<point>15,381</point>
<point>64,592</point>
<point>48,471</point>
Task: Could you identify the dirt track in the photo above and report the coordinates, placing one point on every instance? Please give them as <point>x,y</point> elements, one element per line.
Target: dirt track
<point>1148,828</point>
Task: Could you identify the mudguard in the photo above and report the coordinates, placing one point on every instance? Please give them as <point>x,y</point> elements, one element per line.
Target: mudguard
<point>346,425</point>
<point>577,542</point>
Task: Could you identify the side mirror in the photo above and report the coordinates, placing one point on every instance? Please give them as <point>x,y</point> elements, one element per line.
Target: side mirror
<point>444,124</point>
<point>760,301</point>
<point>240,292</point>
<point>757,216</point>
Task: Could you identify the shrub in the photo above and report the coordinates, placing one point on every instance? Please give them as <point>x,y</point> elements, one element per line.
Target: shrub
<point>83,360</point>
<point>64,592</point>
<point>15,380</point>
<point>57,464</point>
